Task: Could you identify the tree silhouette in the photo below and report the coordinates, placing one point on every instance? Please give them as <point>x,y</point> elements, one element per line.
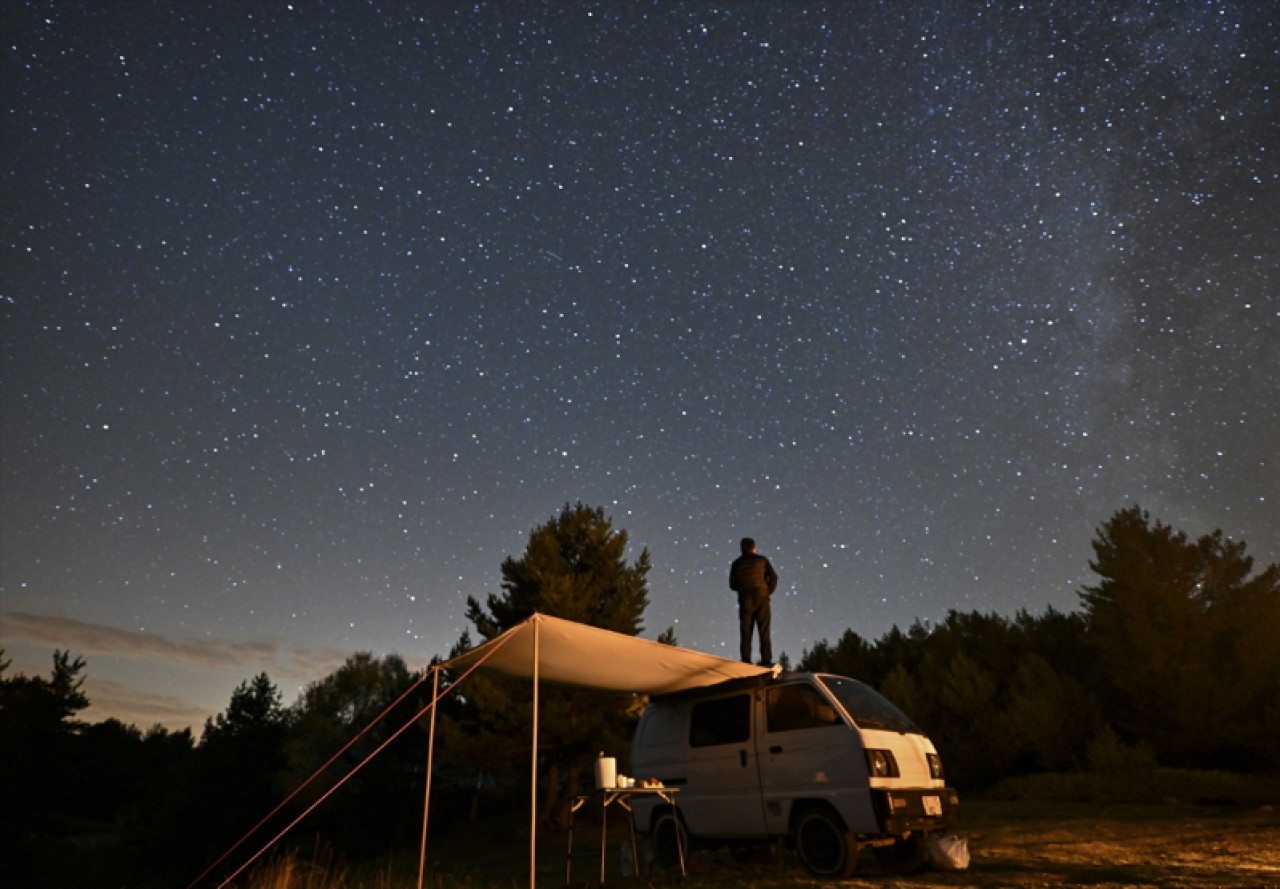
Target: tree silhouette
<point>851,656</point>
<point>1186,640</point>
<point>573,567</point>
<point>1048,717</point>
<point>375,806</point>
<point>255,715</point>
<point>38,726</point>
<point>996,696</point>
<point>239,769</point>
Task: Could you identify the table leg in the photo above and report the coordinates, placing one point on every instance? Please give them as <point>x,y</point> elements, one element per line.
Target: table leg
<point>568,856</point>
<point>679,841</point>
<point>604,833</point>
<point>635,848</point>
<point>568,859</point>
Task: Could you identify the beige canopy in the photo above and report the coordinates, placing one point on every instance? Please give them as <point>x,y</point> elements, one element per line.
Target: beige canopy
<point>578,655</point>
<point>544,649</point>
<point>562,652</point>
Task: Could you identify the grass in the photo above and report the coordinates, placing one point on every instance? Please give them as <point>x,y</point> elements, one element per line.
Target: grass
<point>1013,843</point>
<point>1152,785</point>
<point>1118,828</point>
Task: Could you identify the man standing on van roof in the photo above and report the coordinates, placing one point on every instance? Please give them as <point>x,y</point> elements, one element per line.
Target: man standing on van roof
<point>754,580</point>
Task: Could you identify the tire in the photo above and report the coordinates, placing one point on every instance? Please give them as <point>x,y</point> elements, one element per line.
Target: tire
<point>825,847</point>
<point>667,831</point>
<point>906,856</point>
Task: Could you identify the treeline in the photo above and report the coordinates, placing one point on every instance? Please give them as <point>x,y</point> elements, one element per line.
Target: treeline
<point>1173,653</point>
<point>161,808</point>
<point>1176,652</point>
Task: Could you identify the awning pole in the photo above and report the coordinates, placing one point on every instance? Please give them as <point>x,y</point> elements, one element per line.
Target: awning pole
<point>533,790</point>
<point>426,796</point>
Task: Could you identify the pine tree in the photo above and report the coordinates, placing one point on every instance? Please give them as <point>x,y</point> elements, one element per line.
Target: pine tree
<point>573,567</point>
<point>240,766</point>
<point>39,725</point>
<point>1186,642</point>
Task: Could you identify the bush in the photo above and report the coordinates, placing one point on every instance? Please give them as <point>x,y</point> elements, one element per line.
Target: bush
<point>1108,754</point>
<point>1147,786</point>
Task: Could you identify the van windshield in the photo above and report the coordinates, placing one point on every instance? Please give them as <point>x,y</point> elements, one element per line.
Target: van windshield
<point>868,707</point>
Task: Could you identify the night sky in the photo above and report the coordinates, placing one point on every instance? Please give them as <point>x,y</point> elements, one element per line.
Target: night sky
<point>311,312</point>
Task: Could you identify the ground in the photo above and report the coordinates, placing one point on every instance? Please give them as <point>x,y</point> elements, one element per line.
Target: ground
<point>1011,844</point>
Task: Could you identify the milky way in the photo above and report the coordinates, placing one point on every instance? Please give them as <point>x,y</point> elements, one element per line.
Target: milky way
<point>312,312</point>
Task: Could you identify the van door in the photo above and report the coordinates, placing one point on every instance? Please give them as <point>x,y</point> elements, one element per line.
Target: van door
<point>722,793</point>
<point>808,751</point>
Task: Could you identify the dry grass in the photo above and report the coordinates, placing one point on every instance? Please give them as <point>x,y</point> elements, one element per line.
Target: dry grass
<point>1013,844</point>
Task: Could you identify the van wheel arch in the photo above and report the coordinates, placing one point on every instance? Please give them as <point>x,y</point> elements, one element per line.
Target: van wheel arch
<point>823,842</point>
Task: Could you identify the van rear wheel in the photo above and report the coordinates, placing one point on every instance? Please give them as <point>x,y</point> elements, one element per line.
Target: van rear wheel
<point>670,843</point>
<point>825,847</point>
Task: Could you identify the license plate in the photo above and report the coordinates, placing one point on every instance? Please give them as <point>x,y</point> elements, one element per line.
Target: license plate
<point>932,805</point>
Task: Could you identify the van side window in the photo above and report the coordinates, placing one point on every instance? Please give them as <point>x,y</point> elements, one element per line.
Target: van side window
<point>722,721</point>
<point>792,707</point>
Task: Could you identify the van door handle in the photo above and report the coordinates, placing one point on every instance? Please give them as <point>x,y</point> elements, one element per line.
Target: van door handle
<point>742,757</point>
<point>776,748</point>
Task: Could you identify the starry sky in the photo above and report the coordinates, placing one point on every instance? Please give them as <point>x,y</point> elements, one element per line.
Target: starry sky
<point>312,311</point>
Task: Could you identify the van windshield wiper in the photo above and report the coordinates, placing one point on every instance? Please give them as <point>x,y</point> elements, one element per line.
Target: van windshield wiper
<point>894,725</point>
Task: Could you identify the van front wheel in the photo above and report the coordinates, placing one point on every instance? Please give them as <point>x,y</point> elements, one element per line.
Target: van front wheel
<point>825,847</point>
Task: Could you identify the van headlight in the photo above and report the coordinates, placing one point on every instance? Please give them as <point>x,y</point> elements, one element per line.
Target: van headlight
<point>935,767</point>
<point>881,764</point>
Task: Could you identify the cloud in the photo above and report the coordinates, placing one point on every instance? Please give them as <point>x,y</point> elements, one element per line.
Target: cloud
<point>149,677</point>
<point>66,633</point>
<point>205,654</point>
<point>133,706</point>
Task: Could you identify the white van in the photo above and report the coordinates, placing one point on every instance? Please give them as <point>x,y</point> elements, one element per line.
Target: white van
<point>822,761</point>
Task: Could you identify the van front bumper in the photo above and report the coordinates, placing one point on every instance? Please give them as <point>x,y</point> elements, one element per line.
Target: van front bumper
<point>923,809</point>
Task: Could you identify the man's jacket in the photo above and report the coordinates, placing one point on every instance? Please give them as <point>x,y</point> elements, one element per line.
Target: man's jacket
<point>752,574</point>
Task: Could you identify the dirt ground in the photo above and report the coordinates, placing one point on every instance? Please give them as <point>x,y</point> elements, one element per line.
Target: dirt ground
<point>1022,845</point>
<point>1013,844</point>
<point>1025,844</point>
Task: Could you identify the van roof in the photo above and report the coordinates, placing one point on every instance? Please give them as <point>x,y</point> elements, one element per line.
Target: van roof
<point>730,685</point>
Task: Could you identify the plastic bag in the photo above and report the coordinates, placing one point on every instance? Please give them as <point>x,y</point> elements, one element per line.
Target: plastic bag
<point>949,853</point>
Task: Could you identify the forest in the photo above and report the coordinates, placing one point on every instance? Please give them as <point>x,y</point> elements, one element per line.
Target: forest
<point>1170,661</point>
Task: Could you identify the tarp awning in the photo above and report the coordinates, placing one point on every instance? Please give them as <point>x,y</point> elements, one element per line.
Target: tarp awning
<point>578,655</point>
